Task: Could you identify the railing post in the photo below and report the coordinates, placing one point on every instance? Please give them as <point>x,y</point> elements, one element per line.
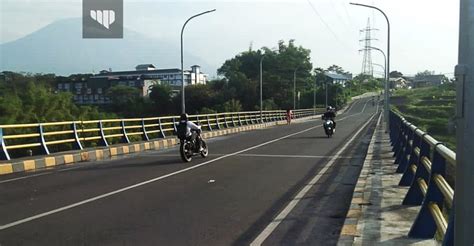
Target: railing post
<point>198,122</point>
<point>175,129</point>
<point>414,195</point>
<point>208,123</point>
<point>403,158</point>
<point>403,144</point>
<point>232,116</point>
<point>145,134</point>
<point>425,225</point>
<point>225,121</point>
<point>397,142</point>
<point>76,136</point>
<point>103,139</point>
<point>124,132</point>
<point>42,140</point>
<point>3,148</point>
<point>408,174</point>
<point>162,133</point>
<point>217,122</point>
<point>240,120</point>
<point>449,235</point>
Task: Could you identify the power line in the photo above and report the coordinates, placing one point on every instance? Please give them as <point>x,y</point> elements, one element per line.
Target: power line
<point>326,24</point>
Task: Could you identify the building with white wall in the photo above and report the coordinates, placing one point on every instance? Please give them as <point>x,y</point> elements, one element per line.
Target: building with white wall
<point>94,89</point>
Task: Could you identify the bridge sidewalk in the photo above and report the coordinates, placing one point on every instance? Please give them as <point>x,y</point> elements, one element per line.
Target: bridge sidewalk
<point>376,215</point>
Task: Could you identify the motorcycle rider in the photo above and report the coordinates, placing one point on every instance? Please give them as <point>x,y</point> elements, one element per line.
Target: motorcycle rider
<point>188,130</point>
<point>330,115</point>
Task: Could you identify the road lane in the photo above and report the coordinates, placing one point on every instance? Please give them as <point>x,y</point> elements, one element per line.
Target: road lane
<point>184,209</point>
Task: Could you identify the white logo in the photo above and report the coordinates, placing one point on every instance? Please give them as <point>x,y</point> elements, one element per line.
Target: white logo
<point>104,17</point>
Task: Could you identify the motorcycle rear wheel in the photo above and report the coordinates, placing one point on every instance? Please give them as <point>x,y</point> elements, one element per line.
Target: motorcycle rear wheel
<point>183,150</point>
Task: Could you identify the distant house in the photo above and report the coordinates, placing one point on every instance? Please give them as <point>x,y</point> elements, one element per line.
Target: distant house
<point>94,89</point>
<point>428,80</point>
<point>336,78</point>
<point>398,83</point>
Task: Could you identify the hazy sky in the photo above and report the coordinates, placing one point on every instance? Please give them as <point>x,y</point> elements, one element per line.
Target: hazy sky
<point>424,32</point>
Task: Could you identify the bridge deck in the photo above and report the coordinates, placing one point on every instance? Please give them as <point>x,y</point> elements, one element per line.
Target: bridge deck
<point>281,185</point>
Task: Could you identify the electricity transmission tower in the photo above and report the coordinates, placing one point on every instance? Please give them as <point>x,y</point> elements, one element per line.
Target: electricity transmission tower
<point>367,67</point>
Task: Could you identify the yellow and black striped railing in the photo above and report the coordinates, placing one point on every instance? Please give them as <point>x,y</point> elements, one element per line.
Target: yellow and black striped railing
<point>19,140</point>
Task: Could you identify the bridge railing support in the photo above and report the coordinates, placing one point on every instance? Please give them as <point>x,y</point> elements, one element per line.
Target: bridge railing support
<point>425,161</point>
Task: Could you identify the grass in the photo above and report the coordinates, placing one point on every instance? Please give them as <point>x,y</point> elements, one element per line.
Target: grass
<point>432,109</point>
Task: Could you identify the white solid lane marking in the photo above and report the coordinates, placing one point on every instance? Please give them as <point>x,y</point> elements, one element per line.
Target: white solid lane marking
<point>299,156</point>
<point>25,177</point>
<point>60,209</point>
<point>18,222</point>
<point>155,154</point>
<point>301,194</point>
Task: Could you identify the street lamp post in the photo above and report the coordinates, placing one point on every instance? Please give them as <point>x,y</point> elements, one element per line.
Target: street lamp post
<point>314,96</point>
<point>261,89</point>
<point>326,87</point>
<point>387,67</point>
<point>294,87</point>
<point>261,86</point>
<point>183,103</point>
<point>387,75</point>
<point>383,69</point>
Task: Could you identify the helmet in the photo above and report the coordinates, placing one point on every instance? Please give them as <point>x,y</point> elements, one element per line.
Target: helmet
<point>329,108</point>
<point>184,117</point>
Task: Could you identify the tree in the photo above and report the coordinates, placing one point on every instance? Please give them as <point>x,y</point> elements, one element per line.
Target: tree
<point>395,74</point>
<point>123,99</point>
<point>424,73</point>
<point>161,97</point>
<point>336,69</point>
<point>31,98</point>
<point>242,73</point>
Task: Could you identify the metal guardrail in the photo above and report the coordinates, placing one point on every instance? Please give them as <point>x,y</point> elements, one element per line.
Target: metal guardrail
<point>423,160</point>
<point>54,136</point>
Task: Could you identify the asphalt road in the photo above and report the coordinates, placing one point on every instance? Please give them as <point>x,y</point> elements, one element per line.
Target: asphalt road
<point>284,185</point>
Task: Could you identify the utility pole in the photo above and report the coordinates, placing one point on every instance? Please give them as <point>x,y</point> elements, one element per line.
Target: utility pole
<point>464,193</point>
<point>367,67</point>
<point>183,98</point>
<point>261,88</point>
<point>314,95</point>
<point>294,87</point>
<point>387,85</point>
<point>326,85</point>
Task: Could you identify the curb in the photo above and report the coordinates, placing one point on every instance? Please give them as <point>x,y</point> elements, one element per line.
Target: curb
<point>103,153</point>
<point>349,230</point>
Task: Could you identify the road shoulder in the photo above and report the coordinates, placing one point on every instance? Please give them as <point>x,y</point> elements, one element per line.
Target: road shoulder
<point>376,215</point>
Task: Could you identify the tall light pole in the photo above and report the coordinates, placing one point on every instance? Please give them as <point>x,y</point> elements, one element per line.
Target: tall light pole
<point>261,89</point>
<point>326,87</point>
<point>383,69</point>
<point>387,75</point>
<point>387,67</point>
<point>261,85</point>
<point>294,87</point>
<point>314,95</point>
<point>463,194</point>
<point>183,102</point>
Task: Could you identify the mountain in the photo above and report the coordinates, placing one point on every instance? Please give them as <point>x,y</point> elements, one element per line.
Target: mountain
<point>59,48</point>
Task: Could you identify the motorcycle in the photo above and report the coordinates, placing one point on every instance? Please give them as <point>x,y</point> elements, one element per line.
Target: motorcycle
<point>189,148</point>
<point>328,127</point>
